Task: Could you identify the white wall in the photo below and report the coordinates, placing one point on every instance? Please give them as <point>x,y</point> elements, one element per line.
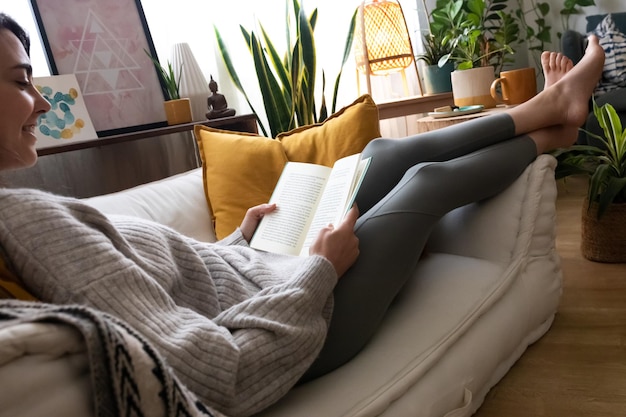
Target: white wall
<point>579,23</point>
<point>192,21</point>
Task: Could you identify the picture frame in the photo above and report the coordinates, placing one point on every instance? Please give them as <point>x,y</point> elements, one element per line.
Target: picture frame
<point>68,120</point>
<point>104,45</point>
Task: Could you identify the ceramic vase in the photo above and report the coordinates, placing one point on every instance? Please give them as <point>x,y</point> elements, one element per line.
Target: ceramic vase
<point>193,84</point>
<point>473,86</point>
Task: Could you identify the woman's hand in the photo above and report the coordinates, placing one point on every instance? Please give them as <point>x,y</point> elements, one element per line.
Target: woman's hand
<point>253,217</point>
<point>339,244</point>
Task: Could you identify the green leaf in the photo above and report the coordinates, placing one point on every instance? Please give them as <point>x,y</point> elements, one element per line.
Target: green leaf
<point>279,66</point>
<point>477,7</point>
<point>276,108</point>
<point>233,73</point>
<point>543,8</point>
<point>614,187</point>
<point>346,55</point>
<point>307,41</point>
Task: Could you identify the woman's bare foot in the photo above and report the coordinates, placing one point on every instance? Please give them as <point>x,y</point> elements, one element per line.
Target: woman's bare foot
<point>566,102</point>
<point>555,66</point>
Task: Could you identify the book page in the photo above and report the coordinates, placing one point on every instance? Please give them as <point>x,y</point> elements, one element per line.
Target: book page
<point>296,196</point>
<point>338,192</point>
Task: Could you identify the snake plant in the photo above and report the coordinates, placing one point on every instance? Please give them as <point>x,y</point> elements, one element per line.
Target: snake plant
<point>170,84</point>
<point>605,166</point>
<point>287,81</point>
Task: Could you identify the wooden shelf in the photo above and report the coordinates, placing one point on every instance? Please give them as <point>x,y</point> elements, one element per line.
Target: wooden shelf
<point>243,123</point>
<point>413,105</point>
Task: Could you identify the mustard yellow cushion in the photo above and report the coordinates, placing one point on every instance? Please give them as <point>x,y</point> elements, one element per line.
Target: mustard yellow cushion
<point>240,170</point>
<point>344,133</point>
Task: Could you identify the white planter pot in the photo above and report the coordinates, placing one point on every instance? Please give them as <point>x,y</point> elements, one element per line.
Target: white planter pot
<point>473,86</point>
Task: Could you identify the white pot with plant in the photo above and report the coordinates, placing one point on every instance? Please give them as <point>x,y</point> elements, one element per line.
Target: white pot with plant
<point>481,33</point>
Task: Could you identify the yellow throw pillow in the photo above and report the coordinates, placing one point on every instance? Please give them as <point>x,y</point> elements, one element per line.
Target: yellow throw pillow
<point>344,133</point>
<point>240,170</point>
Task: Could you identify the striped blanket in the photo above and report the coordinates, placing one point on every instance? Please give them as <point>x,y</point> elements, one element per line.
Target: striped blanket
<point>613,41</point>
<point>128,376</point>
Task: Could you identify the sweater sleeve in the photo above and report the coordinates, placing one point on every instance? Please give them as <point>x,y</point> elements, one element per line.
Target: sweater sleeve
<point>236,332</point>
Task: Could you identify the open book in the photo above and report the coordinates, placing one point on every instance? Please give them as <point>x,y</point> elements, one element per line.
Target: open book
<point>308,197</point>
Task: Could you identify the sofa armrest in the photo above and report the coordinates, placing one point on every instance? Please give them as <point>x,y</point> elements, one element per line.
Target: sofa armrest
<point>499,229</point>
<point>617,98</point>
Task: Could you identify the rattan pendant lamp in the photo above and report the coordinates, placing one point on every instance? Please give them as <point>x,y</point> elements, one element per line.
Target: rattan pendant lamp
<point>383,45</point>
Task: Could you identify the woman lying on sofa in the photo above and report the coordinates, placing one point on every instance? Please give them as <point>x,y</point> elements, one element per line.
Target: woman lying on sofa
<point>241,327</point>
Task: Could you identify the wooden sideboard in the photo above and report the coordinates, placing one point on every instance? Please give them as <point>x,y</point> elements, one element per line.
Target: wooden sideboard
<point>243,123</point>
<point>114,163</point>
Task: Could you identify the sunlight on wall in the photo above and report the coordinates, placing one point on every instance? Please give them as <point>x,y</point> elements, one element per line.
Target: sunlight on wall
<point>20,11</point>
<point>192,21</point>
<point>197,29</point>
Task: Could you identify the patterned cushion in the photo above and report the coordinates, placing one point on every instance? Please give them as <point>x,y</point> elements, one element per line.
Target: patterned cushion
<point>614,43</point>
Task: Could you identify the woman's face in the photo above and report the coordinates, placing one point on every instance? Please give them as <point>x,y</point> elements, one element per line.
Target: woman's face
<point>20,105</point>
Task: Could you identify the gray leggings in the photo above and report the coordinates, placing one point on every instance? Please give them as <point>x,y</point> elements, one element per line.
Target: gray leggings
<point>410,185</point>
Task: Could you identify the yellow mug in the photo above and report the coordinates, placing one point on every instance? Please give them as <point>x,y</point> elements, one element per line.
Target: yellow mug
<point>517,86</point>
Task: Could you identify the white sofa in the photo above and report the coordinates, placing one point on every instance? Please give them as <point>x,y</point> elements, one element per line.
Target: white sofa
<point>488,288</point>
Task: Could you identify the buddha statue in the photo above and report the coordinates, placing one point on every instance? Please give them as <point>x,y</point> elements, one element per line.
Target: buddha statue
<point>217,105</point>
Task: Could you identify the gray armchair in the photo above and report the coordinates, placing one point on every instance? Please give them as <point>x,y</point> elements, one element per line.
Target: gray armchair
<point>573,46</point>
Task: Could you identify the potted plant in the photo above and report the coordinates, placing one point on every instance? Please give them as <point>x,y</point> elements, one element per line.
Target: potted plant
<point>482,34</point>
<point>287,81</point>
<point>604,213</point>
<point>177,109</point>
<point>436,45</point>
<point>436,78</point>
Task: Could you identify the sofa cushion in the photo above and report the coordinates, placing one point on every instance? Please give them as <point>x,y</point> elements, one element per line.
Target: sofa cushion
<point>240,170</point>
<point>344,133</point>
<point>613,41</point>
<point>154,201</point>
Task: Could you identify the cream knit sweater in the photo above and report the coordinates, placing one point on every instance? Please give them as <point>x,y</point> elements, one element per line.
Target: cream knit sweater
<point>238,326</point>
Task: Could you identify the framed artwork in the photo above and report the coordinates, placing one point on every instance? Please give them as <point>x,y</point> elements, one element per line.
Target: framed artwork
<point>68,120</point>
<point>104,44</point>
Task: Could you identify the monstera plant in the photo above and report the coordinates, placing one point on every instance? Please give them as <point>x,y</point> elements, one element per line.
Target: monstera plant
<point>287,80</point>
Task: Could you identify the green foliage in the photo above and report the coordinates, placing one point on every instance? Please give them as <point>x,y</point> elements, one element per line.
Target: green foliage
<point>435,48</point>
<point>171,85</point>
<point>482,32</point>
<point>572,7</point>
<point>437,43</point>
<point>605,167</point>
<point>287,81</point>
<point>534,27</point>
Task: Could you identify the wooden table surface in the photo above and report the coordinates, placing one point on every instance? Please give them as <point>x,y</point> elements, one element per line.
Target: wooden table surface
<point>428,123</point>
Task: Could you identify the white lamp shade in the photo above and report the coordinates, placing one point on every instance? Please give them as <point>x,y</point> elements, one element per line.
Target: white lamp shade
<point>193,84</point>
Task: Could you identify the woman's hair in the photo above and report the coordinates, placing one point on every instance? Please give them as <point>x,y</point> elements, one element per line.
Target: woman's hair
<point>7,22</point>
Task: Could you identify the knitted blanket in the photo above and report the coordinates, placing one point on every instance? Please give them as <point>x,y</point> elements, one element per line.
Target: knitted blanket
<point>126,371</point>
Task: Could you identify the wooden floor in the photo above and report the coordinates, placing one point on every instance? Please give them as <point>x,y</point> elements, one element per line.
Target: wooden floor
<point>579,367</point>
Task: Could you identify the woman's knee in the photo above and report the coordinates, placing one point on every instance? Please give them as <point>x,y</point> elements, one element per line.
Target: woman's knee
<point>379,146</point>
